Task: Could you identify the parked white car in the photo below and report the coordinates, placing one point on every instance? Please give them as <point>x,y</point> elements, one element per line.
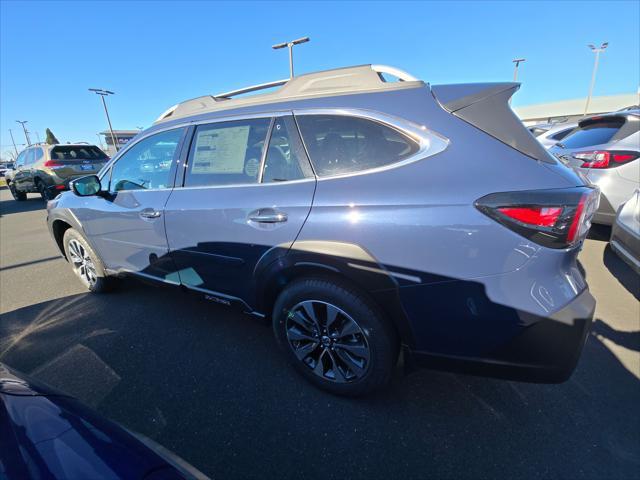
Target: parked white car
<point>548,134</point>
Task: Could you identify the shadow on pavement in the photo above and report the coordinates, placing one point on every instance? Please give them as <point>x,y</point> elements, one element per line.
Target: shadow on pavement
<point>623,272</point>
<point>209,384</point>
<point>629,340</point>
<point>599,232</point>
<point>32,203</point>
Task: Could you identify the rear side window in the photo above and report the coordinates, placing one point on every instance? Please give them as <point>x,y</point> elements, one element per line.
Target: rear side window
<point>340,144</point>
<point>76,152</point>
<point>593,133</point>
<point>227,153</point>
<point>285,159</point>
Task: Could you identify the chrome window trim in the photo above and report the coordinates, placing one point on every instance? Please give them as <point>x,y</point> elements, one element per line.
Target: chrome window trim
<point>430,142</point>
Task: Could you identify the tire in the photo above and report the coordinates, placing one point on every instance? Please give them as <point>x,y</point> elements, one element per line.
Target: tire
<point>17,196</point>
<point>44,191</point>
<point>85,262</point>
<point>359,349</point>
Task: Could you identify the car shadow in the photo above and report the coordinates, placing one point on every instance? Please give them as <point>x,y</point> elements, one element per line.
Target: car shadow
<point>31,204</point>
<point>629,279</point>
<point>599,232</point>
<point>209,384</point>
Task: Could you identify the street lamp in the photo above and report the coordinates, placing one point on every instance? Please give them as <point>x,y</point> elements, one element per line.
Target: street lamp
<point>290,45</point>
<point>14,142</point>
<point>597,51</point>
<point>104,93</point>
<point>26,134</point>
<point>517,62</point>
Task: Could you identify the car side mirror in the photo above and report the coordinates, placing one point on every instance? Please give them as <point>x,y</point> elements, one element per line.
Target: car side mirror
<point>86,186</point>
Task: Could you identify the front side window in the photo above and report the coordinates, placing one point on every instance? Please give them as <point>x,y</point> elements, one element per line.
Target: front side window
<point>340,144</point>
<point>147,164</point>
<point>21,159</point>
<point>286,159</point>
<point>227,153</point>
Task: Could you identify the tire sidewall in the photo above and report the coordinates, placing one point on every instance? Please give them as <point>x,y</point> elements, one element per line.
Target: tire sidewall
<point>380,337</point>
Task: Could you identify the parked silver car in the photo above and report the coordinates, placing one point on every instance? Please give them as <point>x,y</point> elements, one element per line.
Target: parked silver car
<point>606,148</point>
<point>548,134</point>
<point>625,234</point>
<point>360,216</point>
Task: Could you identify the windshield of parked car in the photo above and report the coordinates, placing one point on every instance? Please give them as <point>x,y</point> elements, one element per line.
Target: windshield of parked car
<point>77,152</point>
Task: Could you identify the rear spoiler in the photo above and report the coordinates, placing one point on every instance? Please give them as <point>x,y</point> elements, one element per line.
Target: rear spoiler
<point>486,106</point>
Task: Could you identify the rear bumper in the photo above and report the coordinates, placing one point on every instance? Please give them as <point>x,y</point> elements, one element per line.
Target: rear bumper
<point>545,351</point>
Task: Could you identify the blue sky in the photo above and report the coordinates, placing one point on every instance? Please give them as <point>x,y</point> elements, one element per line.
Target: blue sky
<point>154,54</point>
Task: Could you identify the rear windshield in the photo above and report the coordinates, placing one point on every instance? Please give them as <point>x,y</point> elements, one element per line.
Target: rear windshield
<point>593,133</point>
<point>77,152</point>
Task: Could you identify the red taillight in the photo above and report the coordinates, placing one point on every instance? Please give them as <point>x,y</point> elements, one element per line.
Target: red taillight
<point>59,187</point>
<point>604,158</point>
<point>556,218</point>
<point>52,163</point>
<point>540,216</point>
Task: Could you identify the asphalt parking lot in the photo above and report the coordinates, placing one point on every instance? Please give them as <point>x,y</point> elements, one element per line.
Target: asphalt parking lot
<point>208,383</point>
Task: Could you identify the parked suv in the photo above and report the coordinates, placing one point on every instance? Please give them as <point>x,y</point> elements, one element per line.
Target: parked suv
<point>47,169</point>
<point>606,149</point>
<point>362,216</point>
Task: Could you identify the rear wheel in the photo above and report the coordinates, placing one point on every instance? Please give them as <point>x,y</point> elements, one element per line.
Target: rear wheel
<point>85,262</point>
<point>45,193</point>
<point>17,195</point>
<point>335,337</point>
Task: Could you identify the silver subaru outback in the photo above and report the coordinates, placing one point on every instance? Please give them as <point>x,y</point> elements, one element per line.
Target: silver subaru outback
<point>364,217</point>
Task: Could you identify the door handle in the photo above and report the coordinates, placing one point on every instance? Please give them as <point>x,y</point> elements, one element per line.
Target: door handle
<point>149,213</point>
<point>267,215</point>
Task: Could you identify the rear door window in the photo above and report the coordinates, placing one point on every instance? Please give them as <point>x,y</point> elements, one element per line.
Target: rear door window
<point>227,153</point>
<point>593,133</point>
<point>339,144</point>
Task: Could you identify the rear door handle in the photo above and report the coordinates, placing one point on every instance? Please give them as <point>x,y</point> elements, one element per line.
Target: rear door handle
<point>150,213</point>
<point>267,215</point>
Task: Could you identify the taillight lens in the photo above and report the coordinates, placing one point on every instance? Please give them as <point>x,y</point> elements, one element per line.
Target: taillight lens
<point>53,164</point>
<point>604,158</point>
<point>557,218</point>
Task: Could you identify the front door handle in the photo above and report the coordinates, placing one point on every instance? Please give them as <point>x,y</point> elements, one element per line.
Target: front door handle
<point>150,213</point>
<point>267,215</point>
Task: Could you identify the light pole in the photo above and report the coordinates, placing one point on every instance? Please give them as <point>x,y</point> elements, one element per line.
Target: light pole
<point>14,142</point>
<point>517,62</point>
<point>597,51</point>
<point>290,45</point>
<point>104,93</point>
<point>26,134</point>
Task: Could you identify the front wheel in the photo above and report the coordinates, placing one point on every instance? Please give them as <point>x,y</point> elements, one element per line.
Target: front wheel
<point>335,337</point>
<point>85,263</point>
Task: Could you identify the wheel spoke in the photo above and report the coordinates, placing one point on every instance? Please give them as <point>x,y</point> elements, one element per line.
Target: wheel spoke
<point>299,320</point>
<point>305,350</point>
<point>339,376</point>
<point>350,362</point>
<point>358,350</point>
<point>332,313</point>
<point>296,335</point>
<point>349,328</point>
<point>319,368</point>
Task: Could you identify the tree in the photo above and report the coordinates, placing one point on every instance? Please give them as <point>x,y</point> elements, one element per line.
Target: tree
<point>51,138</point>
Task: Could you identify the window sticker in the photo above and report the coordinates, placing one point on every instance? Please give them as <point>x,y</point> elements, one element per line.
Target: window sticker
<point>221,150</point>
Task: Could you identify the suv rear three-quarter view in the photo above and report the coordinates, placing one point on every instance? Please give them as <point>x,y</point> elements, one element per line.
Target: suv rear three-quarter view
<point>363,217</point>
<point>48,169</point>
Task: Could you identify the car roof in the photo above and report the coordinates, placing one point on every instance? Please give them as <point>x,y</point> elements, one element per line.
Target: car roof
<point>340,81</point>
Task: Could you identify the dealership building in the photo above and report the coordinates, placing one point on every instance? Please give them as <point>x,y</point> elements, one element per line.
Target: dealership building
<point>122,137</point>
<point>573,110</point>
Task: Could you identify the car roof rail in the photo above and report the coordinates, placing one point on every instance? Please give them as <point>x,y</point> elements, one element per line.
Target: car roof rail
<point>346,80</point>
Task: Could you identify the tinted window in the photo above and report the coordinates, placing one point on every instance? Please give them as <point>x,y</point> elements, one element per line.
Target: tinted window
<point>75,152</point>
<point>341,144</point>
<point>593,133</point>
<point>37,153</point>
<point>285,159</point>
<point>30,157</point>
<point>21,159</point>
<point>561,134</point>
<point>227,152</point>
<point>147,164</point>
